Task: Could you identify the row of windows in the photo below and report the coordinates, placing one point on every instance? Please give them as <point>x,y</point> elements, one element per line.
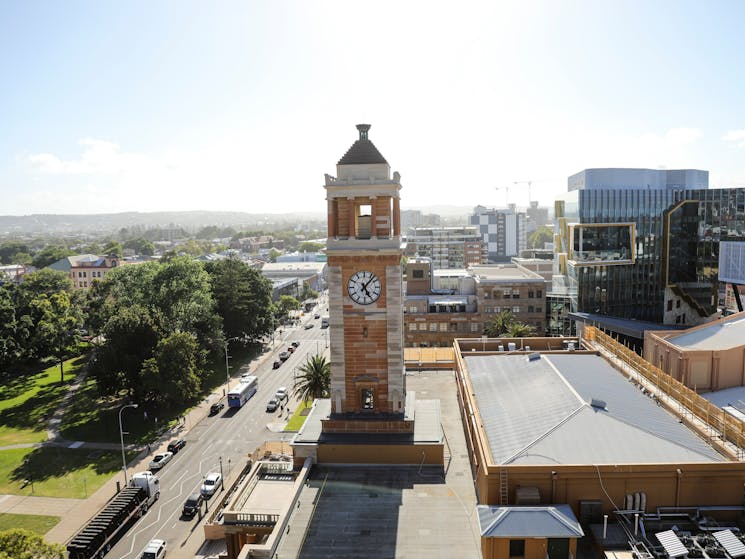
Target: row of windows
<point>94,274</point>
<point>458,326</point>
<point>514,310</point>
<point>512,294</point>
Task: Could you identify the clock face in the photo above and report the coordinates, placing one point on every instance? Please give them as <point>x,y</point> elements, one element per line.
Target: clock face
<point>364,287</point>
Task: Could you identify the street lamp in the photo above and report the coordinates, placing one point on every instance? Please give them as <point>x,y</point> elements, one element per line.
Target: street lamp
<point>227,366</point>
<point>121,438</point>
<point>222,479</point>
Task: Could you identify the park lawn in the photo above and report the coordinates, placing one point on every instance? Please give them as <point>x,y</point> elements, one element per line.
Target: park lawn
<point>57,472</point>
<point>299,417</point>
<point>28,399</point>
<point>38,524</point>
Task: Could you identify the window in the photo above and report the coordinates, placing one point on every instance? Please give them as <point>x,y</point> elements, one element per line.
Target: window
<point>515,310</point>
<point>539,293</point>
<point>517,548</point>
<point>530,294</point>
<point>677,304</point>
<point>422,326</point>
<point>433,327</point>
<point>412,327</point>
<point>516,295</point>
<point>530,308</point>
<point>670,304</point>
<point>475,326</point>
<point>368,399</point>
<point>412,309</point>
<point>443,326</point>
<point>417,274</point>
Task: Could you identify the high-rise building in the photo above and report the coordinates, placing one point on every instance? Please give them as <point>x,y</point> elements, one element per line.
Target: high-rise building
<point>643,244</point>
<point>502,230</point>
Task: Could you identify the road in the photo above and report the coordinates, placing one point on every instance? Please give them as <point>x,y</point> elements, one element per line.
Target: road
<point>231,435</point>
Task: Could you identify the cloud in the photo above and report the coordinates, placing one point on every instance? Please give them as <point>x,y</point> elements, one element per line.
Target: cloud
<point>99,156</point>
<point>736,137</point>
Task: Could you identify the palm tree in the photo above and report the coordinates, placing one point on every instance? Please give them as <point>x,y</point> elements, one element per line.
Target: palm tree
<point>499,324</point>
<point>520,330</point>
<point>315,378</point>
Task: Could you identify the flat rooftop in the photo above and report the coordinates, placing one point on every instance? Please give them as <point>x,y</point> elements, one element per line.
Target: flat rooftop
<point>541,412</point>
<point>503,272</point>
<point>723,334</point>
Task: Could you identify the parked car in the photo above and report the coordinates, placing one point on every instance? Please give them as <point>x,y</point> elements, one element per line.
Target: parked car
<point>308,326</point>
<point>283,355</point>
<point>291,349</point>
<point>155,549</point>
<point>160,460</point>
<point>175,446</point>
<point>295,344</point>
<point>316,316</point>
<point>210,484</point>
<point>276,364</point>
<point>192,505</point>
<point>281,393</point>
<point>216,408</point>
<point>272,405</point>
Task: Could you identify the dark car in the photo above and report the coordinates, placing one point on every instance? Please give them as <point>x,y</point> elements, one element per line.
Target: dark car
<point>216,407</point>
<point>192,505</point>
<point>284,355</point>
<point>175,446</point>
<point>276,364</point>
<point>272,405</point>
<point>295,344</point>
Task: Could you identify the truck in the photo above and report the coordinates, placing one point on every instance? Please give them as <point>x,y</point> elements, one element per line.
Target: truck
<point>105,529</point>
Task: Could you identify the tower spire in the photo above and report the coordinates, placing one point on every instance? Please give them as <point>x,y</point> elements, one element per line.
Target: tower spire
<point>363,128</point>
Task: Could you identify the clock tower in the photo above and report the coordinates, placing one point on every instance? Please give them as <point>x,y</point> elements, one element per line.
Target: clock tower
<point>368,389</point>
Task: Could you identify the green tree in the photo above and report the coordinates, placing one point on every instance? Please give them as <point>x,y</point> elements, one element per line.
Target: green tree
<point>113,248</point>
<point>140,245</point>
<point>57,329</point>
<point>286,304</point>
<point>8,329</point>
<point>172,375</point>
<point>24,544</point>
<point>243,297</point>
<point>540,236</point>
<point>314,380</point>
<point>520,330</point>
<point>310,246</point>
<point>499,324</point>
<point>9,251</point>
<point>273,254</point>
<point>130,337</point>
<point>49,255</point>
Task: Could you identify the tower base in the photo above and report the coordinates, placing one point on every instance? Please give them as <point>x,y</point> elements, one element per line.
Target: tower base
<point>414,439</point>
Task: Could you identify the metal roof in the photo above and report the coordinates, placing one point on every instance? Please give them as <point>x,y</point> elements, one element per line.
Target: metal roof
<point>625,326</point>
<point>539,412</point>
<point>556,521</point>
<point>672,544</point>
<point>723,334</point>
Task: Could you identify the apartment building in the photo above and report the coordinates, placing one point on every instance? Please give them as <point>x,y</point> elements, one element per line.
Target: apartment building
<point>447,247</point>
<point>84,269</point>
<point>441,305</point>
<point>502,230</point>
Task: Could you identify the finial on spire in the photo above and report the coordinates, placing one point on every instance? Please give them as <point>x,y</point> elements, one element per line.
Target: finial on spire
<point>363,128</point>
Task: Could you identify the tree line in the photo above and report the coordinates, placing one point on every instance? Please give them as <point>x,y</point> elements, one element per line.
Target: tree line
<point>152,326</point>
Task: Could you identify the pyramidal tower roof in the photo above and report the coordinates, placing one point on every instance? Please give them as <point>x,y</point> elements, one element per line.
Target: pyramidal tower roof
<point>363,151</point>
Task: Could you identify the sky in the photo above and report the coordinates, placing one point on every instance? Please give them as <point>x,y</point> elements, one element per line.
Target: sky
<point>245,105</point>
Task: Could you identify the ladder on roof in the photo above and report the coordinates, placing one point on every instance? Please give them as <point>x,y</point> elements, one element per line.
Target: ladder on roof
<point>504,488</point>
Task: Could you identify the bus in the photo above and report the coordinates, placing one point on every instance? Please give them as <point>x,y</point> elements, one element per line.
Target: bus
<point>240,394</point>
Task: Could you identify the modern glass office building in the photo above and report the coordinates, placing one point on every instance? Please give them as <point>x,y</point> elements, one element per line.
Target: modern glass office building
<point>644,246</point>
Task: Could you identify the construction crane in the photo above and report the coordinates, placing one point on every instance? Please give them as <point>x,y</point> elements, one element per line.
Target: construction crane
<point>506,194</point>
<point>529,183</point>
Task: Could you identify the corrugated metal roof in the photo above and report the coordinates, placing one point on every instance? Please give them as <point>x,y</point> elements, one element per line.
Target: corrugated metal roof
<point>673,546</point>
<point>557,521</point>
<point>519,400</point>
<point>538,412</point>
<point>730,543</point>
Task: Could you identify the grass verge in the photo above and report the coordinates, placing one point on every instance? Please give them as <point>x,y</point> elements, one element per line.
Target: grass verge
<point>38,524</point>
<point>298,418</point>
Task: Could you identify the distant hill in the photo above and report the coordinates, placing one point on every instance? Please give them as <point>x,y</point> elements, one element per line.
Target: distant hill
<point>191,221</point>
